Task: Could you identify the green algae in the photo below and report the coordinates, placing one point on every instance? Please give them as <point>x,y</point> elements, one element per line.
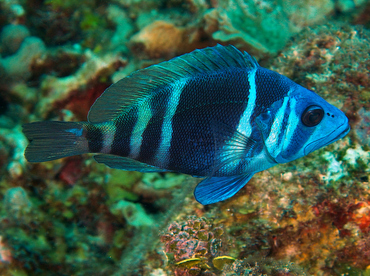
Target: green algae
<point>68,4</point>
<point>119,185</point>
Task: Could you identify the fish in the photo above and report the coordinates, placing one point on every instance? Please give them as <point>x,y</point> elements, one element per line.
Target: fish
<point>213,113</point>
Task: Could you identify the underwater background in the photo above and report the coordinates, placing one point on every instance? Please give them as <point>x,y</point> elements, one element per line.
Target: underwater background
<point>76,217</point>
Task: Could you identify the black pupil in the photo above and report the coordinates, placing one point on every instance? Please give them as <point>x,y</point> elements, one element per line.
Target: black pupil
<point>312,116</point>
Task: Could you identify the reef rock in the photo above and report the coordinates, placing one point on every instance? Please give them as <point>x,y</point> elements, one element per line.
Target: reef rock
<point>263,27</point>
<point>12,37</point>
<point>164,39</point>
<point>25,49</point>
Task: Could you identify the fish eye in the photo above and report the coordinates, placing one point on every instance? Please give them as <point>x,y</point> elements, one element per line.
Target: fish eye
<point>312,116</point>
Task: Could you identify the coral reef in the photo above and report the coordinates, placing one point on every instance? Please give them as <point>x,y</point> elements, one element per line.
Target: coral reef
<point>163,39</point>
<point>192,245</point>
<point>24,50</point>
<point>263,27</point>
<point>81,88</point>
<point>17,205</point>
<point>74,216</point>
<point>133,213</point>
<point>253,266</point>
<point>12,37</point>
<point>331,60</point>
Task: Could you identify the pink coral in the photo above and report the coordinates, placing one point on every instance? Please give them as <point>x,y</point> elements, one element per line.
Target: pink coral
<point>195,238</point>
<point>5,254</point>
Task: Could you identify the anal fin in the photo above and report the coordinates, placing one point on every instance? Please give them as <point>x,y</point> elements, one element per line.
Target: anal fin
<point>124,163</point>
<point>215,189</point>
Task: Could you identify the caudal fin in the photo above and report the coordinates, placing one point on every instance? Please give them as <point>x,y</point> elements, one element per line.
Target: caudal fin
<point>52,140</point>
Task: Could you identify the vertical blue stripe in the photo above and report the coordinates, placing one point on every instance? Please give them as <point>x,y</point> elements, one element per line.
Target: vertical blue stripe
<point>244,125</point>
<point>143,116</point>
<point>153,131</point>
<point>108,129</point>
<point>166,134</point>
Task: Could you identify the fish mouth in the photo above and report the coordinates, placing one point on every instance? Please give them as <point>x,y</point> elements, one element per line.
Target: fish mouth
<point>313,146</point>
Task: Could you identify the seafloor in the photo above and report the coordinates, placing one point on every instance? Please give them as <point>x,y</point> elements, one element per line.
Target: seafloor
<point>76,217</point>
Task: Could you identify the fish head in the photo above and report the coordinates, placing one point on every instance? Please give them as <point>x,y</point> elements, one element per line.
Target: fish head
<point>312,123</point>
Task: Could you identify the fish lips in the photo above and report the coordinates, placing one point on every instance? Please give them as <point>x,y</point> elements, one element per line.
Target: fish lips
<point>332,137</point>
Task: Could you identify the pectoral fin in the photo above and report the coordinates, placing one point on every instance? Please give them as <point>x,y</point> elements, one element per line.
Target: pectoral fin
<point>215,189</point>
<point>230,147</point>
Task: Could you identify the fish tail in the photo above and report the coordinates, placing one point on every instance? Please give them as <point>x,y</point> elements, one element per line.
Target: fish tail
<point>52,140</point>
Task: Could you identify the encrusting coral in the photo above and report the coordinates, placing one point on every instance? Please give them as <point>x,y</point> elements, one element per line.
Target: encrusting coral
<point>193,244</point>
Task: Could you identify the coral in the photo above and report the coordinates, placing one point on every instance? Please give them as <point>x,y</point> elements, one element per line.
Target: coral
<point>5,253</point>
<point>55,25</point>
<point>356,254</point>
<point>117,189</point>
<point>134,213</point>
<point>12,11</point>
<point>263,27</point>
<point>362,128</point>
<point>67,4</point>
<point>331,60</point>
<point>17,67</point>
<point>346,5</point>
<point>164,39</point>
<point>84,86</point>
<point>124,27</point>
<point>14,142</point>
<point>166,181</point>
<point>76,217</point>
<point>71,171</point>
<point>254,266</point>
<point>136,7</point>
<point>17,205</point>
<point>12,37</point>
<point>193,244</point>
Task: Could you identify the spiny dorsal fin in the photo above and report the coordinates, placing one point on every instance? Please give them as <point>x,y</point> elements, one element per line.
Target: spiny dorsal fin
<point>119,96</point>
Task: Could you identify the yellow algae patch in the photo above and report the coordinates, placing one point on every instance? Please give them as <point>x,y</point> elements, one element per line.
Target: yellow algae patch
<point>189,262</point>
<point>219,262</point>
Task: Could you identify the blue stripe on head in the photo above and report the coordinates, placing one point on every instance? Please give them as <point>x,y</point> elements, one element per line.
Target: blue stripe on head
<point>298,140</point>
<point>292,124</point>
<point>296,136</point>
<point>277,129</point>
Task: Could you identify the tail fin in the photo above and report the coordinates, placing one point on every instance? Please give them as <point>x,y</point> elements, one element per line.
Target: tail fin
<point>53,140</point>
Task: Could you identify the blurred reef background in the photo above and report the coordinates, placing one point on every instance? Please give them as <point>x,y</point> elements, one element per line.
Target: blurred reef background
<point>76,217</point>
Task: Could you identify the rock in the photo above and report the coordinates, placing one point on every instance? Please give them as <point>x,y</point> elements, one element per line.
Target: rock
<point>134,213</point>
<point>17,67</point>
<point>12,37</point>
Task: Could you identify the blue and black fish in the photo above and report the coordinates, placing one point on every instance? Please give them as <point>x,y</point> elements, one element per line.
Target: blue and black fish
<point>212,113</point>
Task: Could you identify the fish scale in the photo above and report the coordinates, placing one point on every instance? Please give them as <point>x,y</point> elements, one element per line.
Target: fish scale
<point>212,113</point>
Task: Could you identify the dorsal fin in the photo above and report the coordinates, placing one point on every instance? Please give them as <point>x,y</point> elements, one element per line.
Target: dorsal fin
<point>140,84</point>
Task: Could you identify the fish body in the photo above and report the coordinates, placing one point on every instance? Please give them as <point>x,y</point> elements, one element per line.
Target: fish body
<point>212,113</point>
